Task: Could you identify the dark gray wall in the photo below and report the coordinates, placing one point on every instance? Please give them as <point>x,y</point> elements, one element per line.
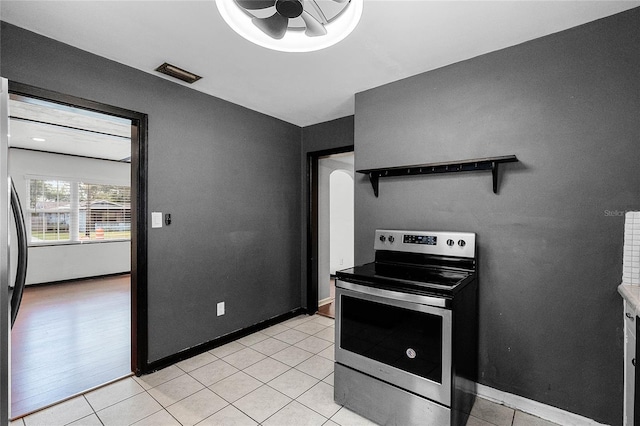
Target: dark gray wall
<point>332,134</point>
<point>319,137</point>
<point>229,176</point>
<point>568,105</point>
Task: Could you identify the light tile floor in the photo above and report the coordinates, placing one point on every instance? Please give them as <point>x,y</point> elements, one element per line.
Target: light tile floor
<point>280,376</point>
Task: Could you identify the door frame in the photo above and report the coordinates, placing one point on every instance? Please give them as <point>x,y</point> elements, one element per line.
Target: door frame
<point>312,222</point>
<point>139,204</point>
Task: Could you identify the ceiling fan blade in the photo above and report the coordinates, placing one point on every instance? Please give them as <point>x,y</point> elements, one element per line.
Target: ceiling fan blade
<point>314,27</point>
<point>255,4</point>
<point>261,13</point>
<point>274,26</point>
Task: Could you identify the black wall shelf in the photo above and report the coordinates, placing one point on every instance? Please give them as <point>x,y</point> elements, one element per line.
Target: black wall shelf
<point>477,164</point>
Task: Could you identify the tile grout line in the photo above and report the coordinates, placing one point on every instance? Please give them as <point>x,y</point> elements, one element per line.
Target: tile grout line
<point>183,372</point>
<point>264,383</point>
<point>289,368</point>
<point>84,395</point>
<point>296,399</point>
<point>162,407</point>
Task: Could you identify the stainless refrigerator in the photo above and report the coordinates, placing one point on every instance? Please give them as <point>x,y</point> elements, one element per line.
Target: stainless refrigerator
<point>13,256</point>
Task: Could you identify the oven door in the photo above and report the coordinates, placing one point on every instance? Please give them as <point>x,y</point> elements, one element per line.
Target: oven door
<point>396,337</point>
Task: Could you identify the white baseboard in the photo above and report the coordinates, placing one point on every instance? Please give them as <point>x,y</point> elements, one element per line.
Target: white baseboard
<point>534,408</point>
<point>325,301</point>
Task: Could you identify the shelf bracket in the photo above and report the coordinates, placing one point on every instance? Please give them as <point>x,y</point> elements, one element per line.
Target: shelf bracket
<point>374,179</point>
<point>494,175</point>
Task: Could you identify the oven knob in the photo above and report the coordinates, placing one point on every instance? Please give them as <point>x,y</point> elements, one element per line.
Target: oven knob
<point>411,353</point>
<point>462,243</point>
<point>383,238</point>
<point>450,243</point>
<point>391,239</point>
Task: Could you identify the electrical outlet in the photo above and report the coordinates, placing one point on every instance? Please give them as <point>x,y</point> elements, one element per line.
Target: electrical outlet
<point>220,308</point>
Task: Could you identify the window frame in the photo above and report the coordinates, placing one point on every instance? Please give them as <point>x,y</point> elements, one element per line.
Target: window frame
<point>29,211</point>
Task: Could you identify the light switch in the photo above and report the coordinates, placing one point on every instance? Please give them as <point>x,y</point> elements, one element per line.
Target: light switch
<point>156,219</point>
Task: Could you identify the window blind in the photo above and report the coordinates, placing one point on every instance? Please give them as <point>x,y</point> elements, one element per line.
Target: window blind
<point>64,211</point>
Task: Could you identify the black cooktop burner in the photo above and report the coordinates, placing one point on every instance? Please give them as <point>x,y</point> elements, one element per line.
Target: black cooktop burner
<point>408,278</point>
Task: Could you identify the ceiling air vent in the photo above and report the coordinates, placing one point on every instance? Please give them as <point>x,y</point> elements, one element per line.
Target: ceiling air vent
<point>179,73</point>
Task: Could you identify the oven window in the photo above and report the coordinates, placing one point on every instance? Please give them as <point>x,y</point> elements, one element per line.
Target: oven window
<point>402,338</point>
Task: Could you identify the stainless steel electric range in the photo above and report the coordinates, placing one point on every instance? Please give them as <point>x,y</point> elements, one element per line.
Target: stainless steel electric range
<point>406,330</point>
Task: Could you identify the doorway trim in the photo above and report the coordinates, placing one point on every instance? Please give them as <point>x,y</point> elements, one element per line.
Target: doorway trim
<point>312,222</point>
<point>139,182</point>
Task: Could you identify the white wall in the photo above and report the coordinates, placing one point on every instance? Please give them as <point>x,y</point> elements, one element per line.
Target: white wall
<point>341,221</point>
<point>64,262</point>
<point>326,166</point>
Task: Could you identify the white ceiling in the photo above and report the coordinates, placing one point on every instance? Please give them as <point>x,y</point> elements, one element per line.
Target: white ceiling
<point>49,127</point>
<point>395,39</point>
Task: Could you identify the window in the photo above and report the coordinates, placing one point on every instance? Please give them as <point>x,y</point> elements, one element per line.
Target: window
<point>66,211</point>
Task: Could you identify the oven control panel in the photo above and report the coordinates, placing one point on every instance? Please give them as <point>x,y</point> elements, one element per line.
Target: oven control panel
<point>461,244</point>
<point>429,240</point>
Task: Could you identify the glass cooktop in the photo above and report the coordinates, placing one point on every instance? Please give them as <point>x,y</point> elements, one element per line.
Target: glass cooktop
<point>407,277</point>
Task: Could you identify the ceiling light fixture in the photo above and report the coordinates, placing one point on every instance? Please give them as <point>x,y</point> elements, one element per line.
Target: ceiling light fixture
<point>39,139</point>
<point>292,25</point>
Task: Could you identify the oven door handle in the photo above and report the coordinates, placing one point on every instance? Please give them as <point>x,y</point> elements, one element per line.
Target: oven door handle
<point>441,302</point>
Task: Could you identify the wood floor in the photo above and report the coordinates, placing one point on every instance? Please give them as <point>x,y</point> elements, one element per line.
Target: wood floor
<point>69,338</point>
